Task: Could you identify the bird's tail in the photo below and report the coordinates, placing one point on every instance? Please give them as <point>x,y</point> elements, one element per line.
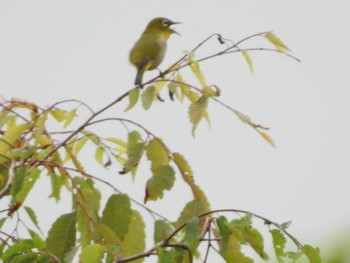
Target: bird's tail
<point>139,75</point>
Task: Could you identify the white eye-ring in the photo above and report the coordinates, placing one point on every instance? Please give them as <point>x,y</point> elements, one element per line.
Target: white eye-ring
<point>166,23</point>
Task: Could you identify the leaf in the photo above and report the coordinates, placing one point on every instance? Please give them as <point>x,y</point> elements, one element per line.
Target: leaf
<point>70,117</point>
<point>279,242</point>
<point>37,241</point>
<point>194,65</point>
<point>267,138</point>
<point>249,61</point>
<point>8,140</point>
<point>59,115</point>
<point>87,202</point>
<point>134,95</point>
<point>56,186</point>
<point>256,241</point>
<point>22,246</point>
<point>32,216</point>
<point>69,256</point>
<point>134,241</point>
<point>197,110</point>
<point>166,256</point>
<point>61,236</point>
<point>162,229</point>
<point>135,149</point>
<point>278,43</point>
<point>92,254</point>
<point>108,234</point>
<point>285,225</point>
<point>157,153</point>
<point>233,253</point>
<point>222,223</point>
<point>99,155</point>
<point>148,96</point>
<point>313,254</point>
<point>191,210</point>
<point>117,214</point>
<point>192,230</point>
<point>29,182</point>
<point>18,182</point>
<point>162,179</point>
<point>118,141</point>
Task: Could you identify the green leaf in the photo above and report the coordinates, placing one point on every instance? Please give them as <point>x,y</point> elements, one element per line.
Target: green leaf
<point>37,241</point>
<point>135,150</point>
<point>222,223</point>
<point>162,179</point>
<point>87,202</point>
<point>32,216</point>
<point>92,254</point>
<point>18,182</point>
<point>134,241</point>
<point>157,154</point>
<point>285,225</point>
<point>192,230</point>
<point>22,246</point>
<point>279,242</point>
<point>197,111</point>
<point>117,214</point>
<point>134,95</point>
<point>29,182</point>
<point>278,43</point>
<point>162,229</point>
<point>233,253</point>
<point>2,221</point>
<point>313,254</point>
<point>148,96</point>
<point>108,234</point>
<point>191,210</point>
<point>70,117</point>
<point>166,255</point>
<point>56,186</point>
<point>69,256</point>
<point>249,61</point>
<point>61,237</point>
<point>256,241</point>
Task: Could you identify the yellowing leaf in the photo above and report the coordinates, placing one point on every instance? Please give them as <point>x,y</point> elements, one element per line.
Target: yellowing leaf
<point>280,46</point>
<point>266,137</point>
<point>194,65</point>
<point>99,155</point>
<point>249,60</point>
<point>197,110</point>
<point>59,115</point>
<point>70,117</point>
<point>134,95</point>
<point>157,153</point>
<point>117,141</point>
<point>162,179</point>
<point>191,210</point>
<point>79,145</point>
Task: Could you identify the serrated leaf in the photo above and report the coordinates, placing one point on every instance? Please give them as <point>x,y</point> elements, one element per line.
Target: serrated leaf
<point>29,182</point>
<point>134,95</point>
<point>197,111</point>
<point>61,236</point>
<point>87,202</point>
<point>157,154</point>
<point>193,230</point>
<point>233,253</point>
<point>117,214</point>
<point>70,117</point>
<point>279,242</point>
<point>92,254</point>
<point>162,229</point>
<point>32,217</point>
<point>278,43</point>
<point>56,186</point>
<point>37,241</point>
<point>162,179</point>
<point>313,254</point>
<point>256,241</point>
<point>134,155</point>
<point>191,210</point>
<point>134,241</point>
<point>249,61</point>
<point>22,246</point>
<point>18,181</point>
<point>148,96</point>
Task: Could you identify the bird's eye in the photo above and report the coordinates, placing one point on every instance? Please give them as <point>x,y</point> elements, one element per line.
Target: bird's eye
<point>166,23</point>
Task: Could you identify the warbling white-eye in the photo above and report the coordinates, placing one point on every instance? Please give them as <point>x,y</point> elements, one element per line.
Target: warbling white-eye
<point>148,52</point>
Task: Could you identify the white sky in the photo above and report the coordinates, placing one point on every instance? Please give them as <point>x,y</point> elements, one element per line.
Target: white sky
<point>55,50</point>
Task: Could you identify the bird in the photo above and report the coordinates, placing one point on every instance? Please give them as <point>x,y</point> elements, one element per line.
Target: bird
<point>149,51</point>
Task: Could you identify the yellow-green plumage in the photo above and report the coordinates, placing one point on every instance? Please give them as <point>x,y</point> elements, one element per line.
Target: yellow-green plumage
<point>148,52</point>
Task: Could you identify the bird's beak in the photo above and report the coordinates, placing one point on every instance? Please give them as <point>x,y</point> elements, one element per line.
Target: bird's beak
<point>172,30</point>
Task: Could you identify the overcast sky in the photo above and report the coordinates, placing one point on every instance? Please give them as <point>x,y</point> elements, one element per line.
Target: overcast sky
<point>56,50</point>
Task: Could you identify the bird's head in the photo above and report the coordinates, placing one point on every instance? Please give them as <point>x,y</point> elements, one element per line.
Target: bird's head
<point>163,25</point>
